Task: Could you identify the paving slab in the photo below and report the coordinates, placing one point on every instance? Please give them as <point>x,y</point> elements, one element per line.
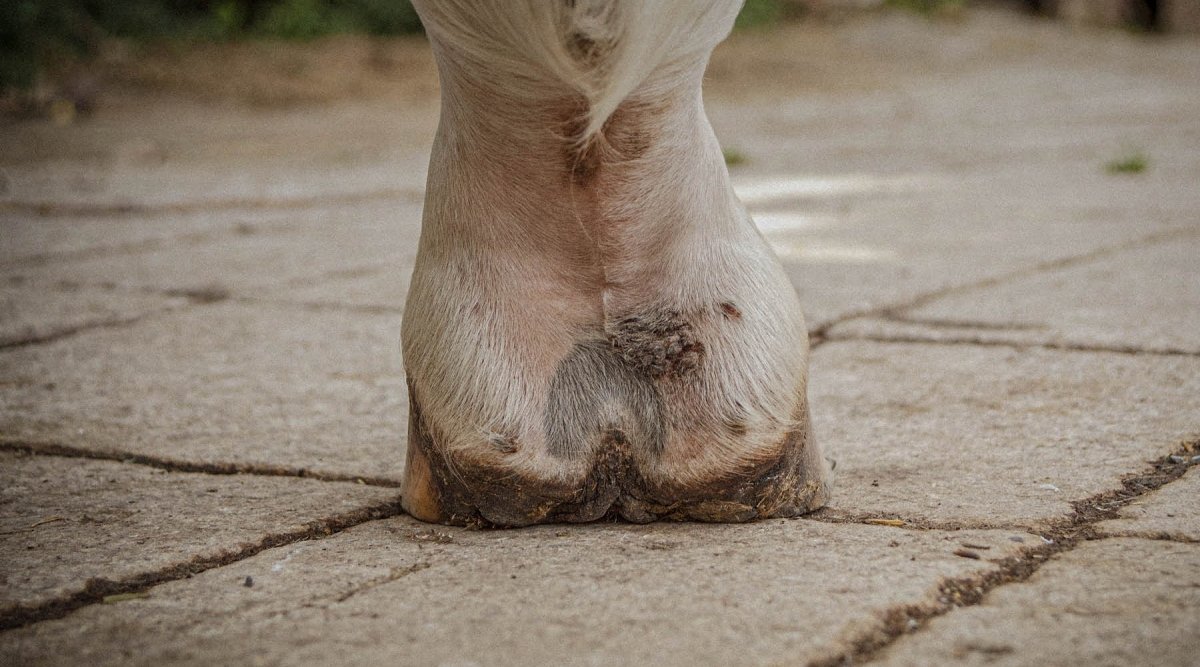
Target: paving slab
<point>1001,127</point>
<point>35,239</point>
<point>245,260</point>
<point>988,435</point>
<point>383,287</point>
<point>895,94</point>
<point>38,314</point>
<point>1170,512</point>
<point>1144,298</point>
<point>400,592</point>
<point>1115,602</point>
<point>269,385</point>
<point>891,253</point>
<point>167,154</point>
<point>65,522</point>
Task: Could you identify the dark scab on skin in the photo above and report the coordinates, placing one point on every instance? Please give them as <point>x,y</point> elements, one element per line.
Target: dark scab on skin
<point>657,344</point>
<point>605,412</point>
<point>730,311</point>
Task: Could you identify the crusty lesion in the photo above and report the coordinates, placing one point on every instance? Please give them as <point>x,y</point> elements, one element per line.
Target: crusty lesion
<point>658,344</point>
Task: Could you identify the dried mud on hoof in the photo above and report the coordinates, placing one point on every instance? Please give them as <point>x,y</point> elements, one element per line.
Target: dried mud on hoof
<point>792,482</point>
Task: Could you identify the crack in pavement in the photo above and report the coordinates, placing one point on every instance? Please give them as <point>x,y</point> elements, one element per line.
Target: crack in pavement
<point>46,209</point>
<point>836,516</point>
<point>820,335</point>
<point>1158,536</point>
<point>97,589</point>
<point>396,574</point>
<point>983,342</point>
<point>947,323</point>
<point>196,296</point>
<point>178,465</point>
<point>67,332</point>
<point>1060,536</point>
<point>201,296</point>
<point>145,245</point>
<point>1042,267</point>
<point>359,308</point>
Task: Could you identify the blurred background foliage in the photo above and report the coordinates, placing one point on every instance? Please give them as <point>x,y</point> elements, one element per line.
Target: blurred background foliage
<point>36,34</point>
<point>45,37</point>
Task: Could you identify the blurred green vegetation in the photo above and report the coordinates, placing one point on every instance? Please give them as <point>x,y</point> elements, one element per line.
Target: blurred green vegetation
<point>930,8</point>
<point>1131,163</point>
<point>733,157</point>
<point>35,34</point>
<point>759,13</point>
<point>40,34</point>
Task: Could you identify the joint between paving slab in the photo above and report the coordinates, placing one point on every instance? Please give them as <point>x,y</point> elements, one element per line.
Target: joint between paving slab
<point>1061,536</point>
<point>1043,267</point>
<point>196,296</point>
<point>58,209</point>
<point>1158,536</point>
<point>946,323</point>
<point>117,250</point>
<point>68,332</point>
<point>834,516</point>
<point>99,590</point>
<point>395,575</point>
<point>896,311</point>
<point>358,308</point>
<point>176,465</point>
<point>1061,347</point>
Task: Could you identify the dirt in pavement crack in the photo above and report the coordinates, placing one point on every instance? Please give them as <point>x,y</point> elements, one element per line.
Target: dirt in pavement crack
<point>176,465</point>
<point>395,574</point>
<point>98,589</point>
<point>1062,536</point>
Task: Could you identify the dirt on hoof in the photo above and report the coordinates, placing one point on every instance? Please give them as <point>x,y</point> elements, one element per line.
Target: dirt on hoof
<point>472,493</point>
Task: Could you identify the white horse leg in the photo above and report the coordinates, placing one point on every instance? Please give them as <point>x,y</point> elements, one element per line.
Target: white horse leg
<point>595,326</point>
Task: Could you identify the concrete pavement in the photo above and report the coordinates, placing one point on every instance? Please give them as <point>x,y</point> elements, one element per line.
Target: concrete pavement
<point>202,403</point>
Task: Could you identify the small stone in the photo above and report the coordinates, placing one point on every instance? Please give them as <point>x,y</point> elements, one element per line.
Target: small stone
<point>1016,538</point>
<point>1175,458</point>
<point>249,582</point>
<point>966,553</point>
<point>1048,487</point>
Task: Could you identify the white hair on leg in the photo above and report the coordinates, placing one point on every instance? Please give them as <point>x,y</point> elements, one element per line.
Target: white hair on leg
<point>594,324</point>
<point>603,49</point>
